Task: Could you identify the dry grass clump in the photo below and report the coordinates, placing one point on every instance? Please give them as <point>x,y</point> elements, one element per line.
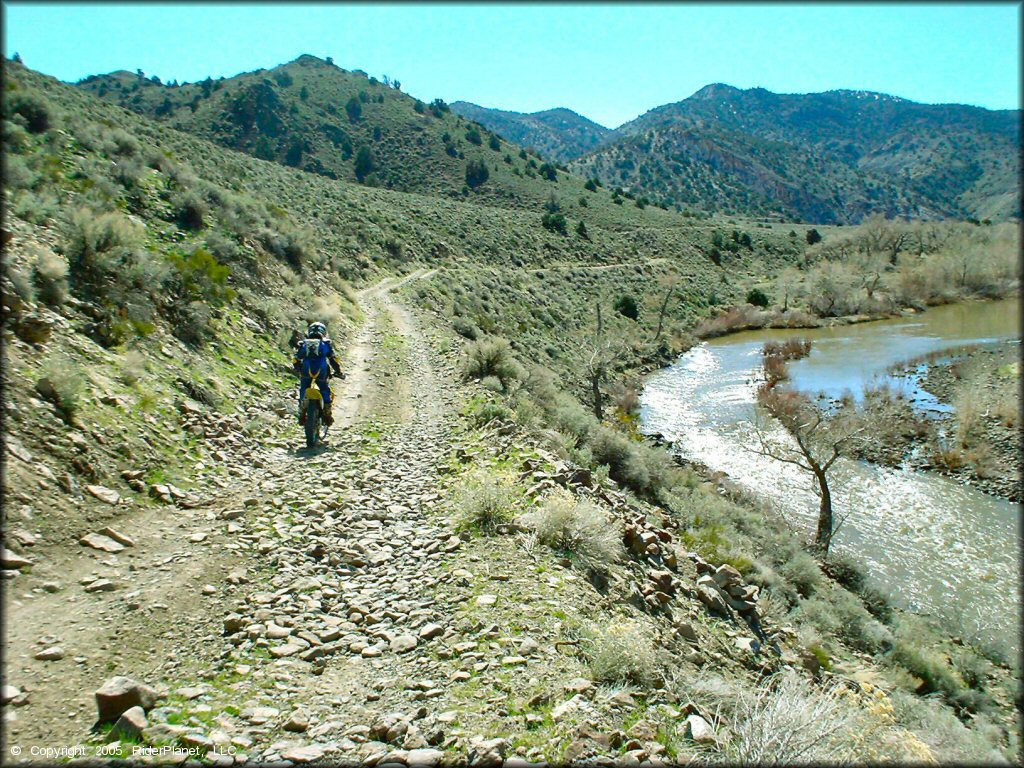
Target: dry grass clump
<point>62,383</point>
<point>620,652</point>
<point>577,527</point>
<point>51,277</point>
<point>486,500</point>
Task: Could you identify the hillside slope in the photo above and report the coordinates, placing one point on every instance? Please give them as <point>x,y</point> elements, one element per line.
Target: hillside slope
<point>559,134</point>
<point>832,157</point>
<point>380,600</point>
<point>312,115</point>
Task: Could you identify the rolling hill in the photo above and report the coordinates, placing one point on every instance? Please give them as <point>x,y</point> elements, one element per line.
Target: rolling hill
<point>831,157</point>
<point>560,134</point>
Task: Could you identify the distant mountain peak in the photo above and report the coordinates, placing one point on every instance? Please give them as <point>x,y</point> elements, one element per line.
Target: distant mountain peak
<point>716,91</point>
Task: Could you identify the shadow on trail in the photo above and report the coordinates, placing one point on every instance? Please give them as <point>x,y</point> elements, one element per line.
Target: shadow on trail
<point>305,453</point>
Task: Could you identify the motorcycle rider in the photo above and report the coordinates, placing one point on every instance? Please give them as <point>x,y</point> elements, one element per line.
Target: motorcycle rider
<point>313,355</point>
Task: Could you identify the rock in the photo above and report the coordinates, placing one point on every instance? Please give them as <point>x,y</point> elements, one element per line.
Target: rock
<point>644,730</point>
<point>430,631</point>
<point>274,632</point>
<point>119,694</point>
<point>562,710</point>
<point>288,649</point>
<point>487,599</point>
<point>54,653</point>
<point>579,685</point>
<point>106,495</point>
<point>486,753</point>
<point>687,632</point>
<point>528,646</point>
<point>259,715</point>
<point>101,585</point>
<point>404,643</point>
<point>713,600</point>
<point>196,740</point>
<point>297,723</point>
<point>8,693</point>
<point>100,542</point>
<point>423,758</point>
<point>11,561</point>
<point>120,538</point>
<point>131,723</point>
<point>234,622</point>
<point>698,729</point>
<point>726,575</point>
<point>388,728</point>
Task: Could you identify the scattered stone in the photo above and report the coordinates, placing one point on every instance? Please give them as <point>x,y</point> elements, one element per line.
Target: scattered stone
<point>54,653</point>
<point>486,753</point>
<point>11,561</point>
<point>430,631</point>
<point>404,643</point>
<point>487,599</point>
<point>297,723</point>
<point>698,729</point>
<point>119,694</point>
<point>579,685</point>
<point>106,495</point>
<point>8,693</point>
<point>423,758</point>
<point>100,542</point>
<point>101,585</point>
<point>131,723</point>
<point>119,537</point>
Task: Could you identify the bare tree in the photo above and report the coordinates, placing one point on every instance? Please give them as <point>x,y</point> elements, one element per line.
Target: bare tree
<point>598,354</point>
<point>818,440</point>
<point>669,283</point>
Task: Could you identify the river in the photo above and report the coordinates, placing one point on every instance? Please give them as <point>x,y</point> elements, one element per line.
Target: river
<point>935,546</point>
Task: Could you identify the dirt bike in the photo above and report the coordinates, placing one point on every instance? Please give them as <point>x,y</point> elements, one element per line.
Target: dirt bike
<point>313,406</point>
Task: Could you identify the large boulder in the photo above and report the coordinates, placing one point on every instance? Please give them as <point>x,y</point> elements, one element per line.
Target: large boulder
<point>119,694</point>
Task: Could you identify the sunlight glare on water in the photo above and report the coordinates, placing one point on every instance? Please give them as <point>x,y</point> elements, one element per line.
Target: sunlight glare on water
<point>930,542</point>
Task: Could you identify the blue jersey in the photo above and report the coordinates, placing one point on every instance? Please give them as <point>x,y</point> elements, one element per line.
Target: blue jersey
<point>312,356</point>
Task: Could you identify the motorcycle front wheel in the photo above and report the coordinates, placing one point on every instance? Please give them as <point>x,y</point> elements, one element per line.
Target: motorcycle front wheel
<point>312,423</point>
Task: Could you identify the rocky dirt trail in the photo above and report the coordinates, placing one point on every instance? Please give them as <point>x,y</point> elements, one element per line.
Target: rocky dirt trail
<point>155,608</point>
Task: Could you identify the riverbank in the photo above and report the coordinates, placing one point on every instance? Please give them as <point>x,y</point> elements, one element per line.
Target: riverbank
<point>976,443</point>
<point>979,443</point>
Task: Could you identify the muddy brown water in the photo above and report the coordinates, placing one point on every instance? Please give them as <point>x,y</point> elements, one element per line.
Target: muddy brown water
<point>936,546</point>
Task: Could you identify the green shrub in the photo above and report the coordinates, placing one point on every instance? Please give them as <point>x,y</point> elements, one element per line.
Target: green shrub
<point>202,277</point>
<point>485,500</point>
<point>621,652</point>
<point>51,277</point>
<point>578,528</point>
<point>555,222</point>
<point>637,466</point>
<point>626,306</point>
<point>34,111</point>
<point>190,210</point>
<point>62,384</point>
<point>786,720</point>
<point>476,173</point>
<point>483,412</point>
<point>911,651</point>
<point>802,572</point>
<point>845,569</point>
<point>491,357</point>
<point>758,298</point>
<point>193,322</point>
<point>465,328</point>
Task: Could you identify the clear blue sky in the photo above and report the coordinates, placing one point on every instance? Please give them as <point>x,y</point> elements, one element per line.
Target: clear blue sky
<point>608,62</point>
